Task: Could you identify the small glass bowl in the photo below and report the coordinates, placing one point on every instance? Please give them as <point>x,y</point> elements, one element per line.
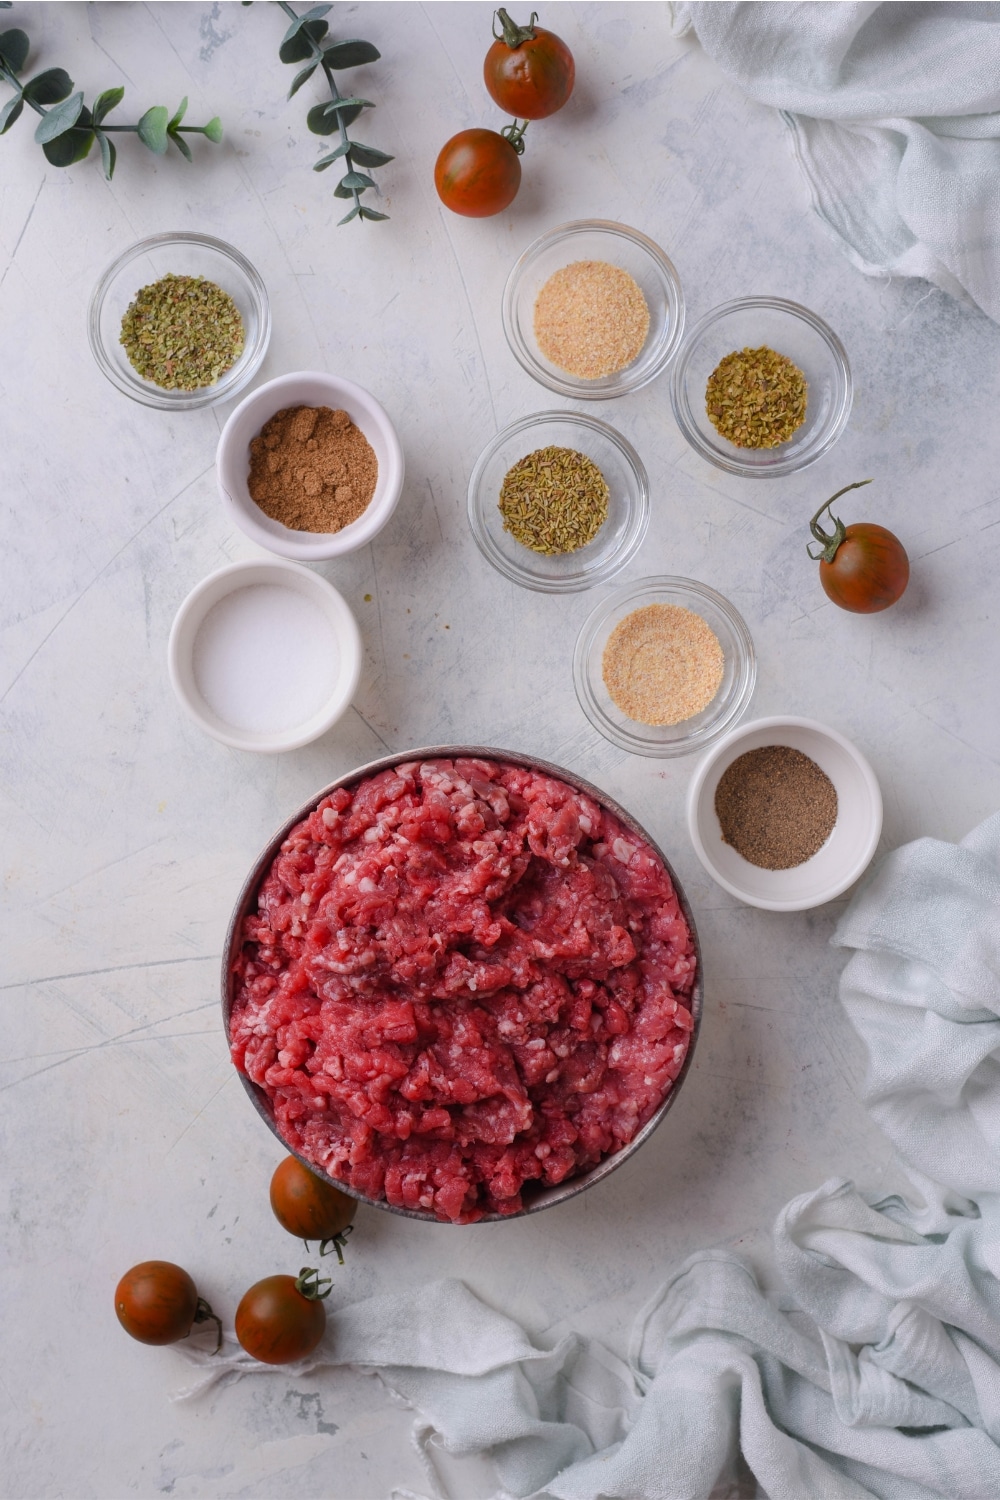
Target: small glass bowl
<point>182,254</point>
<point>726,708</point>
<point>595,239</point>
<point>748,323</point>
<point>628,502</point>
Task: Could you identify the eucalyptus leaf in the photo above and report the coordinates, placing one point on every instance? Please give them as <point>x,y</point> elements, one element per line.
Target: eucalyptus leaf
<point>314,14</point>
<point>321,123</point>
<point>181,144</point>
<point>213,130</point>
<point>356,181</point>
<point>59,120</point>
<point>108,153</point>
<point>14,47</point>
<point>106,102</point>
<point>369,156</point>
<point>296,49</point>
<point>349,54</point>
<point>50,87</point>
<point>10,112</point>
<point>152,129</point>
<point>301,78</point>
<point>370,213</point>
<point>341,192</point>
<point>348,217</point>
<point>327,161</point>
<point>339,105</point>
<point>178,117</point>
<point>71,146</point>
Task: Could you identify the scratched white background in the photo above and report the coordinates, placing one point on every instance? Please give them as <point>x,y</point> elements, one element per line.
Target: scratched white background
<point>125,1133</point>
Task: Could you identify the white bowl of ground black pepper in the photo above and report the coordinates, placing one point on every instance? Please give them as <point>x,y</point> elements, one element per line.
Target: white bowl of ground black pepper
<point>309,466</point>
<point>785,813</point>
<point>664,667</point>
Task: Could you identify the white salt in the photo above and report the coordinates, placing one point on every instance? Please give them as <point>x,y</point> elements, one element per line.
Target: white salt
<point>266,658</point>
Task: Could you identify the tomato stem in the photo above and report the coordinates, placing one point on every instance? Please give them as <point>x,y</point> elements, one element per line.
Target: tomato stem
<point>829,541</point>
<point>204,1314</point>
<point>336,1242</point>
<point>514,133</point>
<point>313,1286</point>
<point>510,32</point>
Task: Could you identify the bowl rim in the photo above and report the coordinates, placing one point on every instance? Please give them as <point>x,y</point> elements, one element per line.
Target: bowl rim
<point>546,1197</point>
<point>180,666</point>
<point>722,460</point>
<point>302,546</point>
<point>575,583</point>
<point>778,722</point>
<point>636,743</point>
<point>144,391</point>
<point>567,385</point>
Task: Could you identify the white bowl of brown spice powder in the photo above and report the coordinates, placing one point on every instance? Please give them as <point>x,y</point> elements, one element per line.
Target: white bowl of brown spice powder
<point>785,813</point>
<point>309,466</point>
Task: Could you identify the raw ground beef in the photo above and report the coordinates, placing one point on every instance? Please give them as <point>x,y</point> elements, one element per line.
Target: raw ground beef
<point>462,978</point>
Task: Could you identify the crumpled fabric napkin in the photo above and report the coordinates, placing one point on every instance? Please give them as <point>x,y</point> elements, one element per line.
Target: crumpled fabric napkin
<point>877,1372</point>
<point>894,111</point>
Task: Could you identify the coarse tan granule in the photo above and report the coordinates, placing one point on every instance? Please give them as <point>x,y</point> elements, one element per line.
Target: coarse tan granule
<point>776,807</point>
<point>662,664</point>
<point>591,319</point>
<point>312,469</point>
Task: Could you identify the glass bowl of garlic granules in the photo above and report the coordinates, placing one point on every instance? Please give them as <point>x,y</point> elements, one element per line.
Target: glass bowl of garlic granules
<point>664,667</point>
<point>179,321</point>
<point>593,310</point>
<point>761,387</point>
<point>558,502</point>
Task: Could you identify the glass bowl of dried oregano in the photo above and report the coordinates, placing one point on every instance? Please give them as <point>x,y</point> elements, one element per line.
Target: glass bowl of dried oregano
<point>558,502</point>
<point>761,387</point>
<point>179,321</point>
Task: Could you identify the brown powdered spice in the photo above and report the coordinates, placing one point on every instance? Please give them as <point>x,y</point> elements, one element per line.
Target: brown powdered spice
<point>591,319</point>
<point>312,469</point>
<point>776,807</point>
<point>662,664</point>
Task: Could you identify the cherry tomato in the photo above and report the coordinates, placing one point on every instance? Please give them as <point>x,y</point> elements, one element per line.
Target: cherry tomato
<point>282,1318</point>
<point>862,567</point>
<point>158,1303</point>
<point>477,173</point>
<point>529,72</point>
<point>308,1206</point>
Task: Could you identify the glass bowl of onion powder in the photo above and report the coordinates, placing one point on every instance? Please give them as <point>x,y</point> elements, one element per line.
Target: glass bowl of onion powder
<point>179,321</point>
<point>558,502</point>
<point>664,667</point>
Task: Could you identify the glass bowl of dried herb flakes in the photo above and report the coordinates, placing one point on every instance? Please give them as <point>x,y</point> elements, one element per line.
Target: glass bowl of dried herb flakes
<point>179,321</point>
<point>558,502</point>
<point>761,387</point>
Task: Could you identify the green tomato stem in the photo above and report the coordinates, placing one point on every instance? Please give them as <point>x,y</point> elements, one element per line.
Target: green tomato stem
<point>514,133</point>
<point>829,541</point>
<point>510,32</point>
<point>204,1314</point>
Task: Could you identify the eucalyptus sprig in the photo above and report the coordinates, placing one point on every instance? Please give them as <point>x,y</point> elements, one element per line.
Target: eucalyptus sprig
<point>68,130</point>
<point>307,39</point>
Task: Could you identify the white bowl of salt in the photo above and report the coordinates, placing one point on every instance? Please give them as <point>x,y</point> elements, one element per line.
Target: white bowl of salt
<point>264,655</point>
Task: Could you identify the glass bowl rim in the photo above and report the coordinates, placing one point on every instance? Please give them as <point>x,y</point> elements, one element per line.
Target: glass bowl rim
<point>839,417</point>
<point>146,393</point>
<point>708,734</point>
<point>569,386</point>
<point>640,509</point>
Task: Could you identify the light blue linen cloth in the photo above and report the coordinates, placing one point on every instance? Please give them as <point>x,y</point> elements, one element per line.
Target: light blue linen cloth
<point>877,1372</point>
<point>895,115</point>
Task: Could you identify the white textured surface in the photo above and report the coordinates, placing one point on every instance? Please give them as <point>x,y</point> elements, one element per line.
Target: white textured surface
<point>126,1134</point>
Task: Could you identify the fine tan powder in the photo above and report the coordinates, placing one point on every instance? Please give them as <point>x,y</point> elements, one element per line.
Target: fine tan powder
<point>312,469</point>
<point>662,664</point>
<point>591,319</point>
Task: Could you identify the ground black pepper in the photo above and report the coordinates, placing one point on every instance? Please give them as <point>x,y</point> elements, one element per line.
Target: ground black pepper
<point>776,807</point>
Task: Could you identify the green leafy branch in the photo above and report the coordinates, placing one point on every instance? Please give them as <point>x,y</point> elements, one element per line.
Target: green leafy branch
<point>306,40</point>
<point>68,129</point>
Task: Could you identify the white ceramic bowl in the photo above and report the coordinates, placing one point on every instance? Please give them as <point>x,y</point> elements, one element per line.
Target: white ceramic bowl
<point>314,674</point>
<point>846,853</point>
<point>307,388</point>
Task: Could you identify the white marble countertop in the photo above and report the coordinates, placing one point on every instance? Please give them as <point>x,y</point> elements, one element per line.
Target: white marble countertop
<point>126,1134</point>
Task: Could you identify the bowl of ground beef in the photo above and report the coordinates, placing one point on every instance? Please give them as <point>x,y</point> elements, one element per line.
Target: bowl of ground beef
<point>462,984</point>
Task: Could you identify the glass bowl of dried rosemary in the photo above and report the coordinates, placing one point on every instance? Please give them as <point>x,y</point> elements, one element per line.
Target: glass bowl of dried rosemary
<point>761,387</point>
<point>179,321</point>
<point>558,502</point>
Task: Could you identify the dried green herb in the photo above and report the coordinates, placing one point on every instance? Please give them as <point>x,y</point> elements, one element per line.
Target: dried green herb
<point>554,500</point>
<point>756,398</point>
<point>68,131</point>
<point>182,332</point>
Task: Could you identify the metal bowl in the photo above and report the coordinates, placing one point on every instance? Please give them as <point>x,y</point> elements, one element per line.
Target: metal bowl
<point>539,1198</point>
